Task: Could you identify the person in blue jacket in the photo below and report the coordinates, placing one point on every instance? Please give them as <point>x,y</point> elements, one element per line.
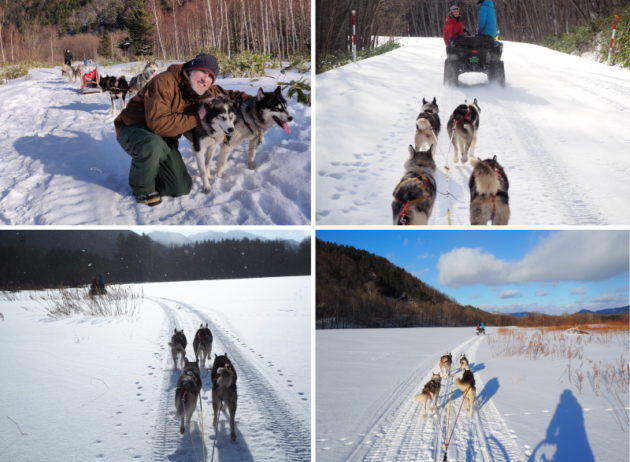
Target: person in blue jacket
<point>487,18</point>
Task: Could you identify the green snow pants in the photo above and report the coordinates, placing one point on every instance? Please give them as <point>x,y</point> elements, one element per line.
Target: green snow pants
<point>155,164</point>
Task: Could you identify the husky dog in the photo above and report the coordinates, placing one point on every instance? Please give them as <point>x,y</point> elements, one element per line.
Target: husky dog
<point>187,393</point>
<point>428,126</point>
<point>117,87</point>
<point>138,82</point>
<point>72,73</point>
<point>178,346</point>
<point>217,124</point>
<point>256,115</point>
<point>430,392</point>
<point>224,390</point>
<point>414,196</point>
<point>445,364</point>
<point>489,201</point>
<point>462,129</point>
<point>202,344</point>
<point>463,362</point>
<point>467,386</point>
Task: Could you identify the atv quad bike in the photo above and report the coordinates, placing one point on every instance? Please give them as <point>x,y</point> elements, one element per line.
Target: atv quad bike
<point>474,54</point>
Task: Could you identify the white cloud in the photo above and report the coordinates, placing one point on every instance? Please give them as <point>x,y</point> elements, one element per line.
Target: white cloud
<point>542,293</point>
<point>578,290</point>
<point>562,256</point>
<point>510,294</point>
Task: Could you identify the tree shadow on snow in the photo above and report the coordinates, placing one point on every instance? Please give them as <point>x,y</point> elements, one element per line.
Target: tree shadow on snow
<point>566,438</point>
<point>90,107</point>
<point>489,390</point>
<point>81,157</point>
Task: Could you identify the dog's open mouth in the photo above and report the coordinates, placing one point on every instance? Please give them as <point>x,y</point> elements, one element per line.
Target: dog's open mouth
<point>283,124</point>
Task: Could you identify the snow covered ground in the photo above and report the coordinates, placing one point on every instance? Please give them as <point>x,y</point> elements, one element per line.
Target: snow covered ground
<point>85,388</point>
<point>559,128</point>
<point>527,409</point>
<point>62,164</point>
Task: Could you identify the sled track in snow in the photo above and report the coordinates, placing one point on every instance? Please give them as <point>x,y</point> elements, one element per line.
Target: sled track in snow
<point>292,435</point>
<point>401,433</point>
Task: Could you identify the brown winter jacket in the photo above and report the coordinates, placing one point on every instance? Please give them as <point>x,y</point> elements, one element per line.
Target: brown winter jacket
<point>167,104</point>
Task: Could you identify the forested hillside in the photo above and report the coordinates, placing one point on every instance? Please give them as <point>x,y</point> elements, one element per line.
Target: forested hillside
<point>358,289</point>
<point>36,259</point>
<point>518,20</point>
<point>40,30</point>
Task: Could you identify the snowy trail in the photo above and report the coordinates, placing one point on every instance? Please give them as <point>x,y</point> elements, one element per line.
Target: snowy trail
<point>264,418</point>
<point>63,165</point>
<point>400,432</point>
<point>558,128</point>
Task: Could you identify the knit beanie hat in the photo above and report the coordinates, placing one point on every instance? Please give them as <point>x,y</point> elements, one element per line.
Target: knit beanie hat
<point>453,8</point>
<point>204,62</point>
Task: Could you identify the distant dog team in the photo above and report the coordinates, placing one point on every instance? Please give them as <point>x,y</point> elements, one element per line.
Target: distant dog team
<point>415,194</point>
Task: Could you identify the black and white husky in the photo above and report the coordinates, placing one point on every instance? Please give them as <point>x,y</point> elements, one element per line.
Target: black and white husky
<point>202,344</point>
<point>462,129</point>
<point>138,82</point>
<point>430,393</point>
<point>414,195</point>
<point>427,126</point>
<point>216,126</point>
<point>224,390</point>
<point>256,115</point>
<point>187,393</point>
<point>117,87</point>
<point>489,200</point>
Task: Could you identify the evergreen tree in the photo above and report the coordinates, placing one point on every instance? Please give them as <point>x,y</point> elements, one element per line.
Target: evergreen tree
<point>105,45</point>
<point>141,30</point>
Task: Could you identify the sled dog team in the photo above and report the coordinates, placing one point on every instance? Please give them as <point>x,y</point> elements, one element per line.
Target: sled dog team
<point>414,196</point>
<point>223,377</point>
<point>466,384</point>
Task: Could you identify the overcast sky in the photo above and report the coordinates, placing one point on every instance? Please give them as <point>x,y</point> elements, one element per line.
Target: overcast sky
<point>509,271</point>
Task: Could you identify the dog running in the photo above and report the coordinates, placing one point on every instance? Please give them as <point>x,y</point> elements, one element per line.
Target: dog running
<point>414,195</point>
<point>430,393</point>
<point>138,82</point>
<point>445,364</point>
<point>462,130</point>
<point>72,73</point>
<point>255,116</point>
<point>489,200</point>
<point>428,126</point>
<point>178,346</point>
<point>467,386</point>
<point>202,344</point>
<point>217,124</point>
<point>224,390</point>
<point>187,393</point>
<point>117,87</point>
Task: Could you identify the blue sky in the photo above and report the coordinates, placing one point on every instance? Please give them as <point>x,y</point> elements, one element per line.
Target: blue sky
<point>509,271</point>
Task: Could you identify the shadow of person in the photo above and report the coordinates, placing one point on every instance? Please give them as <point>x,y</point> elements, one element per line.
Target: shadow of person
<point>566,438</point>
<point>489,390</point>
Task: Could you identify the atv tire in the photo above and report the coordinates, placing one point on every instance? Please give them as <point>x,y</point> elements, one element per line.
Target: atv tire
<point>450,72</point>
<point>496,73</point>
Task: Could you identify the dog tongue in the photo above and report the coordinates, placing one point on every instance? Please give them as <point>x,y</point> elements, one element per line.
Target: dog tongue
<point>286,128</point>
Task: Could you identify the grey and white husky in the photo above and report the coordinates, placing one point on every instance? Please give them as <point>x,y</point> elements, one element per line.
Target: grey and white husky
<point>489,200</point>
<point>202,344</point>
<point>187,393</point>
<point>427,126</point>
<point>72,73</point>
<point>430,393</point>
<point>256,115</point>
<point>216,126</point>
<point>414,195</point>
<point>138,82</point>
<point>178,346</point>
<point>224,390</point>
<point>462,129</point>
<point>467,386</point>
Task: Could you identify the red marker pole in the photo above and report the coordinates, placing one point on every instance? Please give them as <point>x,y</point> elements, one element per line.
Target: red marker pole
<point>354,35</point>
<point>612,40</point>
